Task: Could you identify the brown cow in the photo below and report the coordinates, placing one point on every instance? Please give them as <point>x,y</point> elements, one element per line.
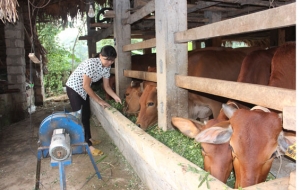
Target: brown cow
<point>132,97</point>
<point>146,62</point>
<point>283,73</point>
<point>216,157</point>
<point>208,63</point>
<point>256,134</point>
<point>255,69</point>
<point>148,107</point>
<point>142,62</point>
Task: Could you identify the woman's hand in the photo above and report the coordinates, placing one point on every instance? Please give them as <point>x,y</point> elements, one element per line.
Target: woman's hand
<point>103,104</point>
<point>117,99</point>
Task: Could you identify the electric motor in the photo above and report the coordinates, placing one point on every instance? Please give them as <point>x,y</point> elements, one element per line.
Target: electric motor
<point>60,145</point>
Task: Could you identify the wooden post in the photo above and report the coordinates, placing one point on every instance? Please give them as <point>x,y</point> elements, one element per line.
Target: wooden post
<point>197,44</point>
<point>90,43</point>
<point>281,36</point>
<point>148,50</point>
<point>122,35</point>
<point>213,17</point>
<point>171,59</point>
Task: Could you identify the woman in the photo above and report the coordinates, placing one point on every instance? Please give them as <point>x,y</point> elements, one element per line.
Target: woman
<point>79,88</point>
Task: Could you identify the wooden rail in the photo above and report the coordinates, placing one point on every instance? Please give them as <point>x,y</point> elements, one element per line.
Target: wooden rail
<point>280,99</point>
<point>243,24</point>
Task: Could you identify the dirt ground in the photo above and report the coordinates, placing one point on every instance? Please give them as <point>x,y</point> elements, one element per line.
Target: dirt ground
<point>18,161</point>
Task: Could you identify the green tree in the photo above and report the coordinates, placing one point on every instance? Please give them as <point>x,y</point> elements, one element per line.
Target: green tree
<point>59,59</point>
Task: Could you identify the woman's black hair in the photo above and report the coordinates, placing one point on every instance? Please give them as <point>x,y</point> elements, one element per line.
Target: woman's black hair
<point>108,51</point>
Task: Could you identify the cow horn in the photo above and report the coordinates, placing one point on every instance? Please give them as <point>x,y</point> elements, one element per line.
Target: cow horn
<point>132,84</point>
<point>260,108</point>
<point>228,110</point>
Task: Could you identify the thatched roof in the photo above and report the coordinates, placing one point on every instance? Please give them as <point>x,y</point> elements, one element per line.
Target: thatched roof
<point>45,10</point>
<point>39,11</point>
<point>8,10</point>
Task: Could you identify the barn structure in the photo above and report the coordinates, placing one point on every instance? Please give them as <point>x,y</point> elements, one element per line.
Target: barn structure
<point>167,26</point>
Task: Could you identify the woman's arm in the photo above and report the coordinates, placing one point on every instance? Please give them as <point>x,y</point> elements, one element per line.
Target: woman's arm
<point>109,91</point>
<point>91,93</point>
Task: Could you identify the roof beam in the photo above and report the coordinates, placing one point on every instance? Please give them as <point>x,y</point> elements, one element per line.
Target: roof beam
<point>141,13</point>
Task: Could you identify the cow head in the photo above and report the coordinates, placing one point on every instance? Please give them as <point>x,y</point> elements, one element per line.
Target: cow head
<point>148,107</point>
<point>254,141</point>
<point>215,147</point>
<point>132,96</point>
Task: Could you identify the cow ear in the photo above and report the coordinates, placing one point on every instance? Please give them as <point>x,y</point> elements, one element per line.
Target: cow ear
<point>186,126</point>
<point>220,133</point>
<point>228,110</point>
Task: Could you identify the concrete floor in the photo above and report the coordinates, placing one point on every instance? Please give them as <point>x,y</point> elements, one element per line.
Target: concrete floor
<point>18,161</point>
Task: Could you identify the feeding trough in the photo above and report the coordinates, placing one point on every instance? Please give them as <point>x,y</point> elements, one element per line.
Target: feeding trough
<point>156,164</point>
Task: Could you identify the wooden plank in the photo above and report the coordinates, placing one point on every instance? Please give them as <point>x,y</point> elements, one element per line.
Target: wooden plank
<point>266,96</point>
<point>122,35</point>
<point>171,58</point>
<point>149,76</point>
<point>104,33</point>
<point>243,24</point>
<point>141,13</point>
<point>292,182</point>
<point>201,5</point>
<point>102,25</point>
<point>250,2</point>
<point>85,37</point>
<point>109,14</point>
<point>112,71</point>
<point>140,45</point>
<point>276,184</point>
<point>289,117</point>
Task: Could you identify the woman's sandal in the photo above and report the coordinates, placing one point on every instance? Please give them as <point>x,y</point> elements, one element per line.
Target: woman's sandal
<point>95,142</point>
<point>96,152</point>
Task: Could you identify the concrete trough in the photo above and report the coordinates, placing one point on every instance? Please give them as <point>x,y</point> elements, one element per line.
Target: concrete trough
<point>157,165</point>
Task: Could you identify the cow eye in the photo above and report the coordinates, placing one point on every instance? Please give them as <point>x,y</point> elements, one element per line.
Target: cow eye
<point>127,94</point>
<point>150,104</point>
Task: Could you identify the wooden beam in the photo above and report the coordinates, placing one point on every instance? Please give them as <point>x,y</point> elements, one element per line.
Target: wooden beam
<point>104,33</point>
<point>171,58</point>
<point>241,12</point>
<point>112,71</point>
<point>149,76</point>
<point>109,14</point>
<point>140,45</point>
<point>249,2</point>
<point>289,118</point>
<point>141,13</point>
<point>201,5</point>
<point>122,36</point>
<point>85,37</point>
<point>270,97</point>
<point>102,25</point>
<point>243,24</point>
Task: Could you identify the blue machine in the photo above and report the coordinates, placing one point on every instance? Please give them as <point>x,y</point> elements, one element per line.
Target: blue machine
<point>61,135</point>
